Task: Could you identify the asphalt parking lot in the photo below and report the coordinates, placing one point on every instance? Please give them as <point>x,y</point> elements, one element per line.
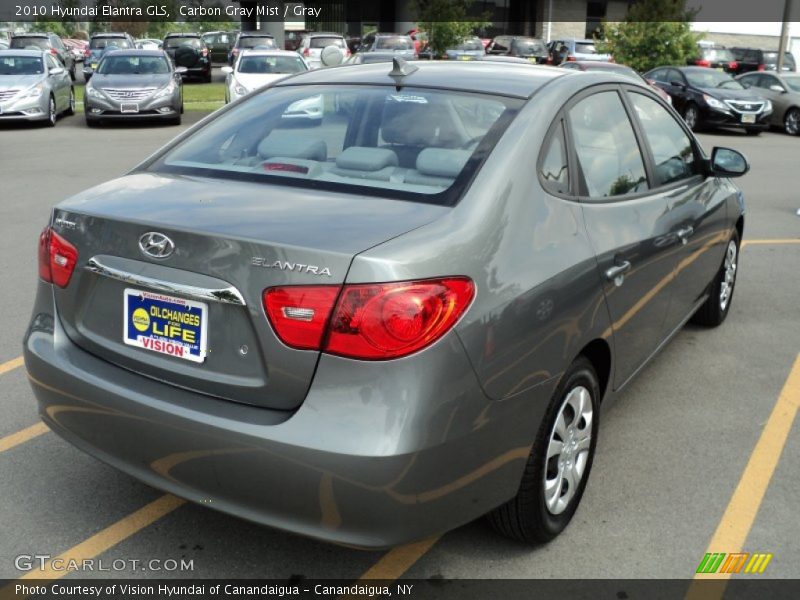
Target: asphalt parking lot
<point>671,472</point>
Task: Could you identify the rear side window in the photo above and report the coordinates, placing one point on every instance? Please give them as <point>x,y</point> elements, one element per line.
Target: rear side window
<point>554,171</point>
<point>608,153</point>
<point>416,144</point>
<point>672,149</point>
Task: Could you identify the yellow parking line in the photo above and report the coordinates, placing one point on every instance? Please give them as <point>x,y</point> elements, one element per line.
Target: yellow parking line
<point>399,560</point>
<point>768,242</point>
<point>15,439</point>
<point>11,365</point>
<point>742,509</point>
<point>109,537</point>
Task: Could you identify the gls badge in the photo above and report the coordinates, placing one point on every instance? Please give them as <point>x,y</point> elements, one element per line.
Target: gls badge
<point>288,266</point>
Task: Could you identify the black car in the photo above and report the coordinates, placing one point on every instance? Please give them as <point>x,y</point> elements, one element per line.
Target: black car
<point>248,40</point>
<point>533,49</point>
<point>753,59</point>
<point>48,42</point>
<point>707,97</point>
<point>715,57</point>
<point>99,43</point>
<point>219,44</point>
<point>188,50</point>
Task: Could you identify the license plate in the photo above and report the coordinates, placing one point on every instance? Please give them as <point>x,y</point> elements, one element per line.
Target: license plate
<point>165,324</point>
<point>533,59</point>
<point>719,68</point>
<point>94,66</point>
<point>464,58</point>
<point>748,118</point>
<point>129,108</point>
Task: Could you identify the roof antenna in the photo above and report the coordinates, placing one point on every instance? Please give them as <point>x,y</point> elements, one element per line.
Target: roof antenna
<point>400,70</point>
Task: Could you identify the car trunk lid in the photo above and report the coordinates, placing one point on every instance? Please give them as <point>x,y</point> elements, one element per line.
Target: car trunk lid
<point>231,240</point>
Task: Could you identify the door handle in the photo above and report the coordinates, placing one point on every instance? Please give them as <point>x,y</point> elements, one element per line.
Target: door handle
<point>685,233</point>
<point>617,272</point>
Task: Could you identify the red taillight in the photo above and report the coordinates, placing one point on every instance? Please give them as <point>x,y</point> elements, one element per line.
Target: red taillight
<point>370,321</point>
<point>57,258</point>
<point>762,67</point>
<point>702,63</point>
<point>53,51</point>
<point>204,52</point>
<point>87,53</point>
<point>306,52</point>
<point>733,65</point>
<point>571,59</point>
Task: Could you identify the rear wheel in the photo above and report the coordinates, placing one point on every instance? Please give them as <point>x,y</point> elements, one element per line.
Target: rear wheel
<point>791,122</point>
<point>691,114</point>
<point>716,307</point>
<point>559,463</point>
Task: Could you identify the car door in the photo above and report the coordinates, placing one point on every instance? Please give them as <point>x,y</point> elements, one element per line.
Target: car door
<point>59,83</point>
<point>696,218</point>
<point>771,88</point>
<point>626,223</point>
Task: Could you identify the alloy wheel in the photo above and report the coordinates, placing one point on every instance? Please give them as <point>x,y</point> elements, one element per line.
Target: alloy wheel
<point>71,102</point>
<point>792,122</point>
<point>568,450</point>
<point>690,116</point>
<point>51,115</point>
<point>728,276</point>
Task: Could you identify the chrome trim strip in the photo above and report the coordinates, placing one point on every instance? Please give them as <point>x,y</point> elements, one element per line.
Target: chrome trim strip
<point>738,105</point>
<point>228,295</point>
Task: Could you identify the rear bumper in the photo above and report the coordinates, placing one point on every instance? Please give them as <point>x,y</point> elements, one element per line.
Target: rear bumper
<point>370,459</point>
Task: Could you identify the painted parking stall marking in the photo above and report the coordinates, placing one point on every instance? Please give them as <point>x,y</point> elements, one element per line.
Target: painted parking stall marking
<point>165,324</point>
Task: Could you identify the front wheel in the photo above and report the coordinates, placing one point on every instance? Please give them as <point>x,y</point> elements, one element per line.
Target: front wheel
<point>791,122</point>
<point>71,107</point>
<point>716,307</point>
<point>559,463</point>
<point>52,114</point>
<point>691,114</point>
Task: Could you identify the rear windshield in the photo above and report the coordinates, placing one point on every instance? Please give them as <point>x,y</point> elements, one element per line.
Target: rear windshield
<point>396,42</point>
<point>21,65</point>
<point>416,144</point>
<point>37,43</point>
<point>133,65</point>
<point>254,42</point>
<point>372,57</point>
<point>271,64</point>
<point>470,45</point>
<point>101,43</point>
<point>771,58</point>
<point>717,54</point>
<point>174,42</point>
<point>585,48</point>
<point>529,47</point>
<point>324,42</point>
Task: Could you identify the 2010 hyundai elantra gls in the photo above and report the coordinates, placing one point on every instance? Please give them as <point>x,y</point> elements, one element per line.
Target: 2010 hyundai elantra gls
<point>387,322</point>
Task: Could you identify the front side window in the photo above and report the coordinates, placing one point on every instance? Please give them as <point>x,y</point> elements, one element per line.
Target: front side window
<point>606,147</point>
<point>416,144</point>
<point>673,153</point>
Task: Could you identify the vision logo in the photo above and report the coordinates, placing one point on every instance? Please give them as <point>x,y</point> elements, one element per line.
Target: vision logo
<point>720,562</point>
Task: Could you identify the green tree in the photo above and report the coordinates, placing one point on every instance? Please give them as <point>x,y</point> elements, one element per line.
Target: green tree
<point>445,22</point>
<point>654,33</point>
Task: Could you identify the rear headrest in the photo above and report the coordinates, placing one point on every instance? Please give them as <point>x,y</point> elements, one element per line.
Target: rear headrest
<point>360,158</point>
<point>442,162</point>
<point>410,124</point>
<point>291,145</point>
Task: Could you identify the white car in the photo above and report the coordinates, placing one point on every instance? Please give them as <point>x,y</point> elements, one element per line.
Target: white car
<point>313,44</point>
<point>254,69</point>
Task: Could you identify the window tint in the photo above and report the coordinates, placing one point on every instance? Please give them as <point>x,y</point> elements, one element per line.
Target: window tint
<point>21,65</point>
<point>324,42</point>
<point>554,172</point>
<point>658,75</point>
<point>608,153</point>
<point>33,43</point>
<point>672,149</point>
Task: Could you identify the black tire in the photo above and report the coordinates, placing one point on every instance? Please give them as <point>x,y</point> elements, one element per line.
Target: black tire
<point>691,114</point>
<point>175,120</point>
<point>52,114</point>
<point>71,106</point>
<point>526,517</point>
<point>714,311</point>
<point>72,72</point>
<point>791,121</point>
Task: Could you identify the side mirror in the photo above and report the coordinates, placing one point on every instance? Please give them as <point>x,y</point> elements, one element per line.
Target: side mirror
<point>777,88</point>
<point>56,71</point>
<point>182,70</point>
<point>726,162</point>
<point>227,70</point>
<point>678,84</point>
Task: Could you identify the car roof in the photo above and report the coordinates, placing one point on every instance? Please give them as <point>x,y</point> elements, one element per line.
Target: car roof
<point>324,34</point>
<point>275,52</point>
<point>14,52</point>
<point>601,64</point>
<point>110,34</point>
<point>255,34</point>
<point>520,81</point>
<point>178,34</point>
<point>135,52</point>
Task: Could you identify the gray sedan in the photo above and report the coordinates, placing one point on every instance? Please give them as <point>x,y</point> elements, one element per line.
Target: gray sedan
<point>783,91</point>
<point>134,84</point>
<point>34,86</point>
<point>385,323</point>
